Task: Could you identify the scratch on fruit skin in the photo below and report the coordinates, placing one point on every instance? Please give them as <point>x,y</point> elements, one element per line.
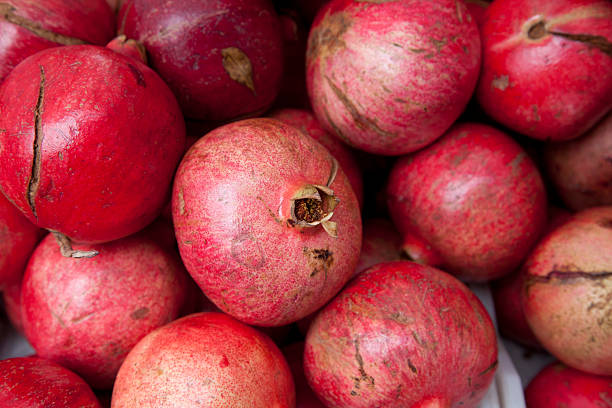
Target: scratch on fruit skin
<point>488,369</point>
<point>34,181</point>
<point>363,376</point>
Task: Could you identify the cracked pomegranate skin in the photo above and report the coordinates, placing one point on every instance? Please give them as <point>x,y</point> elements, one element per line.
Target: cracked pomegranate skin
<point>567,290</point>
<point>90,140</point>
<point>402,335</point>
<point>231,211</point>
<point>550,81</point>
<point>391,77</point>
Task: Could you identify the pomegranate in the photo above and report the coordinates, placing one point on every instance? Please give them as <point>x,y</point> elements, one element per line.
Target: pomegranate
<point>390,77</point>
<point>12,305</point>
<point>477,9</point>
<point>558,385</point>
<point>567,291</point>
<point>223,58</point>
<point>304,396</point>
<point>87,314</point>
<point>128,47</point>
<point>74,119</point>
<point>33,382</point>
<point>547,65</point>
<point>267,224</point>
<point>205,359</point>
<point>474,198</point>
<point>402,334</point>
<point>381,243</point>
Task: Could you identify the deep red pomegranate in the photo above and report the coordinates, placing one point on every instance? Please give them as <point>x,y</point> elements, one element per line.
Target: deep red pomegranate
<point>567,291</point>
<point>87,314</point>
<point>381,243</point>
<point>205,359</point>
<point>33,382</point>
<point>223,58</point>
<point>304,396</point>
<point>547,65</point>
<point>560,386</point>
<point>11,295</point>
<point>474,197</point>
<point>90,142</point>
<point>402,334</point>
<point>477,9</point>
<point>267,224</point>
<point>390,77</point>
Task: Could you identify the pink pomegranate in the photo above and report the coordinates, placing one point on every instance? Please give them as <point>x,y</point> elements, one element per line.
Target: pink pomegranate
<point>474,198</point>
<point>307,123</point>
<point>381,243</point>
<point>304,396</point>
<point>267,224</point>
<point>33,382</point>
<point>90,143</point>
<point>403,335</point>
<point>205,359</point>
<point>558,385</point>
<point>222,58</point>
<point>87,314</point>
<point>567,291</point>
<point>11,295</point>
<point>27,27</point>
<point>390,77</point>
<point>547,65</point>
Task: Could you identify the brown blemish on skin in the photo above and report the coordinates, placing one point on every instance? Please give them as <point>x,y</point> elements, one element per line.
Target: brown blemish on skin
<point>537,31</point>
<point>327,37</point>
<point>518,159</point>
<point>438,43</point>
<point>140,313</point>
<point>459,14</point>
<point>488,369</point>
<point>238,66</point>
<point>181,201</point>
<point>247,251</point>
<point>137,76</point>
<point>363,376</point>
<point>412,367</point>
<point>319,259</point>
<point>34,181</point>
<point>536,114</point>
<point>501,82</point>
<point>605,222</point>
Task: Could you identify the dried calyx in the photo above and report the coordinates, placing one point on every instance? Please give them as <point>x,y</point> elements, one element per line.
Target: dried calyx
<point>66,247</point>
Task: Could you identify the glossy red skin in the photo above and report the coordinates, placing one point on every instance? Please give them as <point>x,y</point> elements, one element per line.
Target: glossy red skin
<point>87,314</point>
<point>18,237</point>
<point>112,135</point>
<point>552,88</point>
<point>402,334</point>
<point>33,382</point>
<point>11,295</point>
<point>304,395</point>
<point>391,77</point>
<point>307,123</point>
<point>205,359</point>
<point>475,197</point>
<point>581,169</point>
<point>91,21</point>
<point>230,207</point>
<point>185,39</point>
<point>381,243</point>
<point>567,291</point>
<point>560,386</point>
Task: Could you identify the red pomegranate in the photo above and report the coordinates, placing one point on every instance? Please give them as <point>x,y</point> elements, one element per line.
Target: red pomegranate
<point>477,9</point>
<point>11,295</point>
<point>567,291</point>
<point>222,58</point>
<point>90,143</point>
<point>381,243</point>
<point>33,382</point>
<point>304,396</point>
<point>390,77</point>
<point>267,224</point>
<point>474,197</point>
<point>205,359</point>
<point>87,314</point>
<point>547,65</point>
<point>402,334</point>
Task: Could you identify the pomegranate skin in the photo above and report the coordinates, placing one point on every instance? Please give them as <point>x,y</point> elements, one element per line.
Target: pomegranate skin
<point>12,305</point>
<point>391,77</point>
<point>401,334</point>
<point>558,385</point>
<point>475,198</point>
<point>547,66</point>
<point>33,382</point>
<point>93,114</point>
<point>87,314</point>
<point>230,205</point>
<point>223,59</point>
<point>27,27</point>
<point>381,243</point>
<point>184,364</point>
<point>477,9</point>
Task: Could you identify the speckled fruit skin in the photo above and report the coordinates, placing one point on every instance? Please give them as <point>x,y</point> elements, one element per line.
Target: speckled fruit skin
<point>307,123</point>
<point>205,359</point>
<point>391,77</point>
<point>544,84</point>
<point>109,134</point>
<point>567,291</point>
<point>18,237</point>
<point>381,243</point>
<point>33,382</point>
<point>403,335</point>
<point>87,314</point>
<point>560,386</point>
<point>474,196</point>
<point>304,395</point>
<point>581,169</point>
<point>190,43</point>
<point>230,207</point>
<point>27,27</point>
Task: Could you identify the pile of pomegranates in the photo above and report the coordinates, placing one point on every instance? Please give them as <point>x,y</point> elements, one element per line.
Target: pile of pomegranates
<point>279,203</point>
